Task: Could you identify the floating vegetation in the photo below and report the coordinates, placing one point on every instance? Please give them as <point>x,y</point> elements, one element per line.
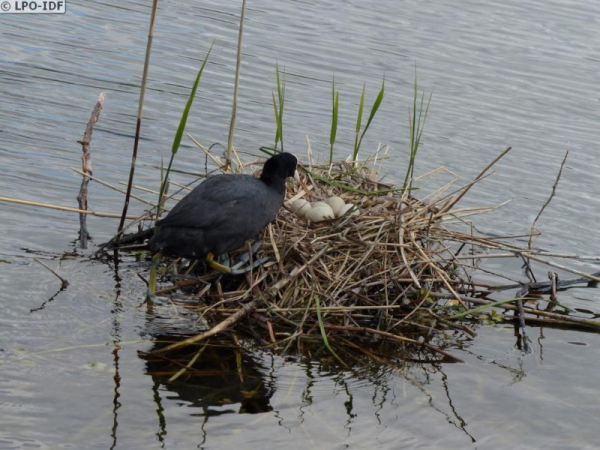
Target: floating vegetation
<point>404,271</point>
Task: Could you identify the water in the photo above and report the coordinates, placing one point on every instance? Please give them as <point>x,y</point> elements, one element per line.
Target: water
<point>512,74</point>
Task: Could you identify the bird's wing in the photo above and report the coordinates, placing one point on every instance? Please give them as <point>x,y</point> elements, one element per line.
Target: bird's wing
<point>214,202</point>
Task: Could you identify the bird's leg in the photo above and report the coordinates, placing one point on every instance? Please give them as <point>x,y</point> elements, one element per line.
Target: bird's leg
<point>215,265</point>
<point>151,293</point>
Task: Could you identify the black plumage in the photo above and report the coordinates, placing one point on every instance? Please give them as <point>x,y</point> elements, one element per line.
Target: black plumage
<point>224,211</point>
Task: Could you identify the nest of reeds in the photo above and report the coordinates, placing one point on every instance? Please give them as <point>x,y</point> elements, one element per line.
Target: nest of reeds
<point>390,271</point>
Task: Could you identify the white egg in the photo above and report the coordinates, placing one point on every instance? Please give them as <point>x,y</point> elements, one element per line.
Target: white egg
<point>319,205</point>
<point>347,207</point>
<point>320,214</point>
<point>336,204</point>
<point>300,207</point>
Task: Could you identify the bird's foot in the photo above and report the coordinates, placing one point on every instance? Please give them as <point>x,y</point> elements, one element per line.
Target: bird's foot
<point>238,268</point>
<point>215,265</point>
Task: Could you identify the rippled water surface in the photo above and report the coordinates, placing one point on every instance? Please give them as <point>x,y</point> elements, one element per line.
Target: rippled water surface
<point>72,369</point>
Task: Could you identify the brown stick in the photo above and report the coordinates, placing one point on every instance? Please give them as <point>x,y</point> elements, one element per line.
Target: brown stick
<point>224,325</point>
<point>86,167</point>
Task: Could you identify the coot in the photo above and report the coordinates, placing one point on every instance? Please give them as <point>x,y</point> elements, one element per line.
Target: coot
<point>222,213</point>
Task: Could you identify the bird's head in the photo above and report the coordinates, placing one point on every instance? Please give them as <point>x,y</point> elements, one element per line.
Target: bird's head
<point>280,166</point>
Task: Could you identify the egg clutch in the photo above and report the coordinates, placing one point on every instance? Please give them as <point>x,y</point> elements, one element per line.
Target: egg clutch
<point>332,208</point>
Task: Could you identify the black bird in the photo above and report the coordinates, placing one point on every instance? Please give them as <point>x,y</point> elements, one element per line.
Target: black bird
<point>221,214</point>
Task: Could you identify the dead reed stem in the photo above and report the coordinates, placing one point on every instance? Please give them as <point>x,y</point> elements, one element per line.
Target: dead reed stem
<point>140,113</point>
<point>63,208</point>
<point>236,87</point>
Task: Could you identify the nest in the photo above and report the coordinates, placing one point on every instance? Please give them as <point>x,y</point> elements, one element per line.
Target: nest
<point>392,277</point>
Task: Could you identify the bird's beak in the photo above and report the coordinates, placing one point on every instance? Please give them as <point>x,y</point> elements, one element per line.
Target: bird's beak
<point>296,176</point>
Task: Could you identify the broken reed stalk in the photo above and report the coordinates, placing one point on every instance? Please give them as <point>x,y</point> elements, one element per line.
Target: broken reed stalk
<point>138,124</point>
<point>86,167</point>
<point>236,88</point>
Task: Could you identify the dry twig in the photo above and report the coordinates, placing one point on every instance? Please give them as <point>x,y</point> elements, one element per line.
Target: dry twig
<point>86,167</point>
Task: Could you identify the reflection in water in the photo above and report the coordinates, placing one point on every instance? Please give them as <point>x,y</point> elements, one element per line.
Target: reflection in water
<point>116,312</point>
<point>49,300</point>
<point>218,378</point>
<point>162,423</point>
<point>60,258</point>
<point>461,422</point>
<point>229,376</point>
<point>116,403</point>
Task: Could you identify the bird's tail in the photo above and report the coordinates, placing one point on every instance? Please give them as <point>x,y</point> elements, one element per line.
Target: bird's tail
<point>126,239</point>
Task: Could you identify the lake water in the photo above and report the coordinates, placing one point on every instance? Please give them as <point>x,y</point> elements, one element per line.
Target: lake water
<point>72,371</point>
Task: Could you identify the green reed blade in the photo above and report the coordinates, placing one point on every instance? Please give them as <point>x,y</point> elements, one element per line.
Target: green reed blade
<point>323,333</point>
<point>361,106</point>
<point>275,110</point>
<point>374,108</point>
<point>335,99</point>
<point>180,130</point>
<point>279,107</point>
<point>188,106</point>
<point>417,116</point>
<point>269,151</point>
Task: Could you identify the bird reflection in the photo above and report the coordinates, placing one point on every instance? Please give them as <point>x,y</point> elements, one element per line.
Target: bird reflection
<point>217,377</point>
